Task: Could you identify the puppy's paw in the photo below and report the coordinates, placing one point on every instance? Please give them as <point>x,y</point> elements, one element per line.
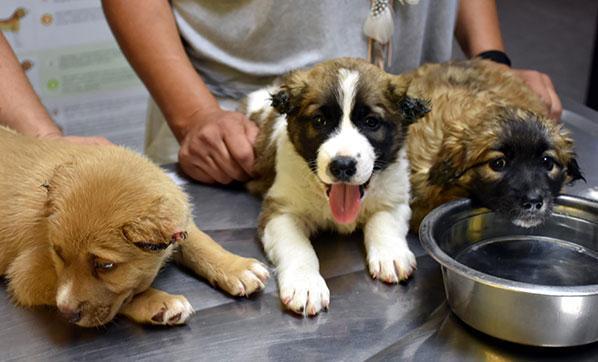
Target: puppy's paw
<point>304,293</point>
<point>175,310</point>
<point>391,265</point>
<point>242,277</point>
<point>159,308</point>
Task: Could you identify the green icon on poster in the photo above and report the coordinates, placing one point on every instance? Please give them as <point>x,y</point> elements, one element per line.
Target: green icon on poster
<point>53,84</point>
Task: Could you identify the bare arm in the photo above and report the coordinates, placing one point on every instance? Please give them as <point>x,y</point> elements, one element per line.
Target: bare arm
<point>478,30</point>
<point>147,34</point>
<point>216,145</point>
<point>20,108</point>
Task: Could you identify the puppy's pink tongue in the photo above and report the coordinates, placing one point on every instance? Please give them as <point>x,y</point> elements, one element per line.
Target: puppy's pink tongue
<point>344,202</point>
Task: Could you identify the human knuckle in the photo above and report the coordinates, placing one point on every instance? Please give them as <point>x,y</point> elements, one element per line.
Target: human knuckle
<point>245,156</point>
<point>208,137</point>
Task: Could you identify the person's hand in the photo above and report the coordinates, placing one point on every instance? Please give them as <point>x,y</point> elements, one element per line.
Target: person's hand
<point>90,140</point>
<point>219,148</point>
<point>542,85</point>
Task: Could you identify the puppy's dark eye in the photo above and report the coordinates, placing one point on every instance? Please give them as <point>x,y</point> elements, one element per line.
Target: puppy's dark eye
<point>548,163</point>
<point>319,122</point>
<point>103,266</point>
<point>498,164</point>
<point>372,123</point>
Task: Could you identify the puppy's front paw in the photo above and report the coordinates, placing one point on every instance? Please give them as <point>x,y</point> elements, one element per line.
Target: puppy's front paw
<point>157,307</point>
<point>173,311</point>
<point>391,265</point>
<point>242,277</point>
<point>304,293</point>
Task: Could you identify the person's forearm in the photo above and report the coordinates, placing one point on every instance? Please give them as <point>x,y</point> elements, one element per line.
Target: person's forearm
<point>147,34</point>
<point>20,107</point>
<point>478,29</point>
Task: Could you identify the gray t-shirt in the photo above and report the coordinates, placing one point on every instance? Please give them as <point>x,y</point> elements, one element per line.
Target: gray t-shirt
<point>238,46</point>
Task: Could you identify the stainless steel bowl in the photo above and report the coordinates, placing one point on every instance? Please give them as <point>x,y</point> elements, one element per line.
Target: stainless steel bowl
<point>536,286</point>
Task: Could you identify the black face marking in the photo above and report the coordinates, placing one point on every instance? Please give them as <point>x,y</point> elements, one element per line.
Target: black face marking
<point>380,119</point>
<point>525,176</point>
<point>382,133</point>
<point>308,131</point>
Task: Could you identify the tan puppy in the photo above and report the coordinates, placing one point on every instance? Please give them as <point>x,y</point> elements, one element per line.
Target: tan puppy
<point>87,228</point>
<point>487,137</point>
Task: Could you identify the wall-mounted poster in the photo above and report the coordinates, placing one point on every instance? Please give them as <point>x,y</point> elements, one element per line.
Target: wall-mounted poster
<point>75,65</point>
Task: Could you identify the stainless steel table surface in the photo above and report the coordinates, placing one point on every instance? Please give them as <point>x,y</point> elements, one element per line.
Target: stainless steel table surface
<point>367,319</point>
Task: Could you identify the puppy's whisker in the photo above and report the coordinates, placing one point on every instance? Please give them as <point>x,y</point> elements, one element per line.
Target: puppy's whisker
<point>98,325</point>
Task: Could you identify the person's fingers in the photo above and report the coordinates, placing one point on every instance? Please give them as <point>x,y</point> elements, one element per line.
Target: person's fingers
<point>219,151</point>
<point>241,150</point>
<point>537,84</point>
<point>222,148</point>
<point>187,164</point>
<point>99,141</point>
<point>556,107</point>
<point>251,130</point>
<point>199,165</point>
<point>210,167</point>
<point>205,171</point>
<point>202,150</point>
<point>196,173</point>
<point>227,163</point>
<point>541,84</point>
<point>94,140</point>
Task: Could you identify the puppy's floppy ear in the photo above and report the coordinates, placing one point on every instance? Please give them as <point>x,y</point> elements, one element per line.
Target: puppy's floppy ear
<point>564,142</point>
<point>148,236</point>
<point>288,97</point>
<point>410,108</point>
<point>281,101</point>
<point>154,231</point>
<point>574,172</point>
<point>413,108</point>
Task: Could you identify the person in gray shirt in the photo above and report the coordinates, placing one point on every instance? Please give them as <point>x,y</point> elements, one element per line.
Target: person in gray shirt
<point>199,57</point>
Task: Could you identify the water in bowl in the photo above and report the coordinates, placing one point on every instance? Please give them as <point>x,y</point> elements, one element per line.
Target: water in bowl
<point>532,259</point>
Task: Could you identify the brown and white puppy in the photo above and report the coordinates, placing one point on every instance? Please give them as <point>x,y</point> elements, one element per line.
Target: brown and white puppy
<point>330,155</point>
<point>487,137</point>
<point>87,228</point>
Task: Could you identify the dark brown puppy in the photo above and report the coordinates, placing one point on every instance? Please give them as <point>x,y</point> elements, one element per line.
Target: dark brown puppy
<point>487,137</point>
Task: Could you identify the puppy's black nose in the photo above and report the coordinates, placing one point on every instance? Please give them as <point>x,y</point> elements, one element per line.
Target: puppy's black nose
<point>71,315</point>
<point>343,168</point>
<point>532,202</point>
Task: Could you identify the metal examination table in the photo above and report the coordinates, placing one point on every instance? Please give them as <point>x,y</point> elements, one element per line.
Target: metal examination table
<point>367,319</point>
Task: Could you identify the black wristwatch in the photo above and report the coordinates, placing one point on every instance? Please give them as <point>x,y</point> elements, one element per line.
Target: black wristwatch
<point>496,56</point>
